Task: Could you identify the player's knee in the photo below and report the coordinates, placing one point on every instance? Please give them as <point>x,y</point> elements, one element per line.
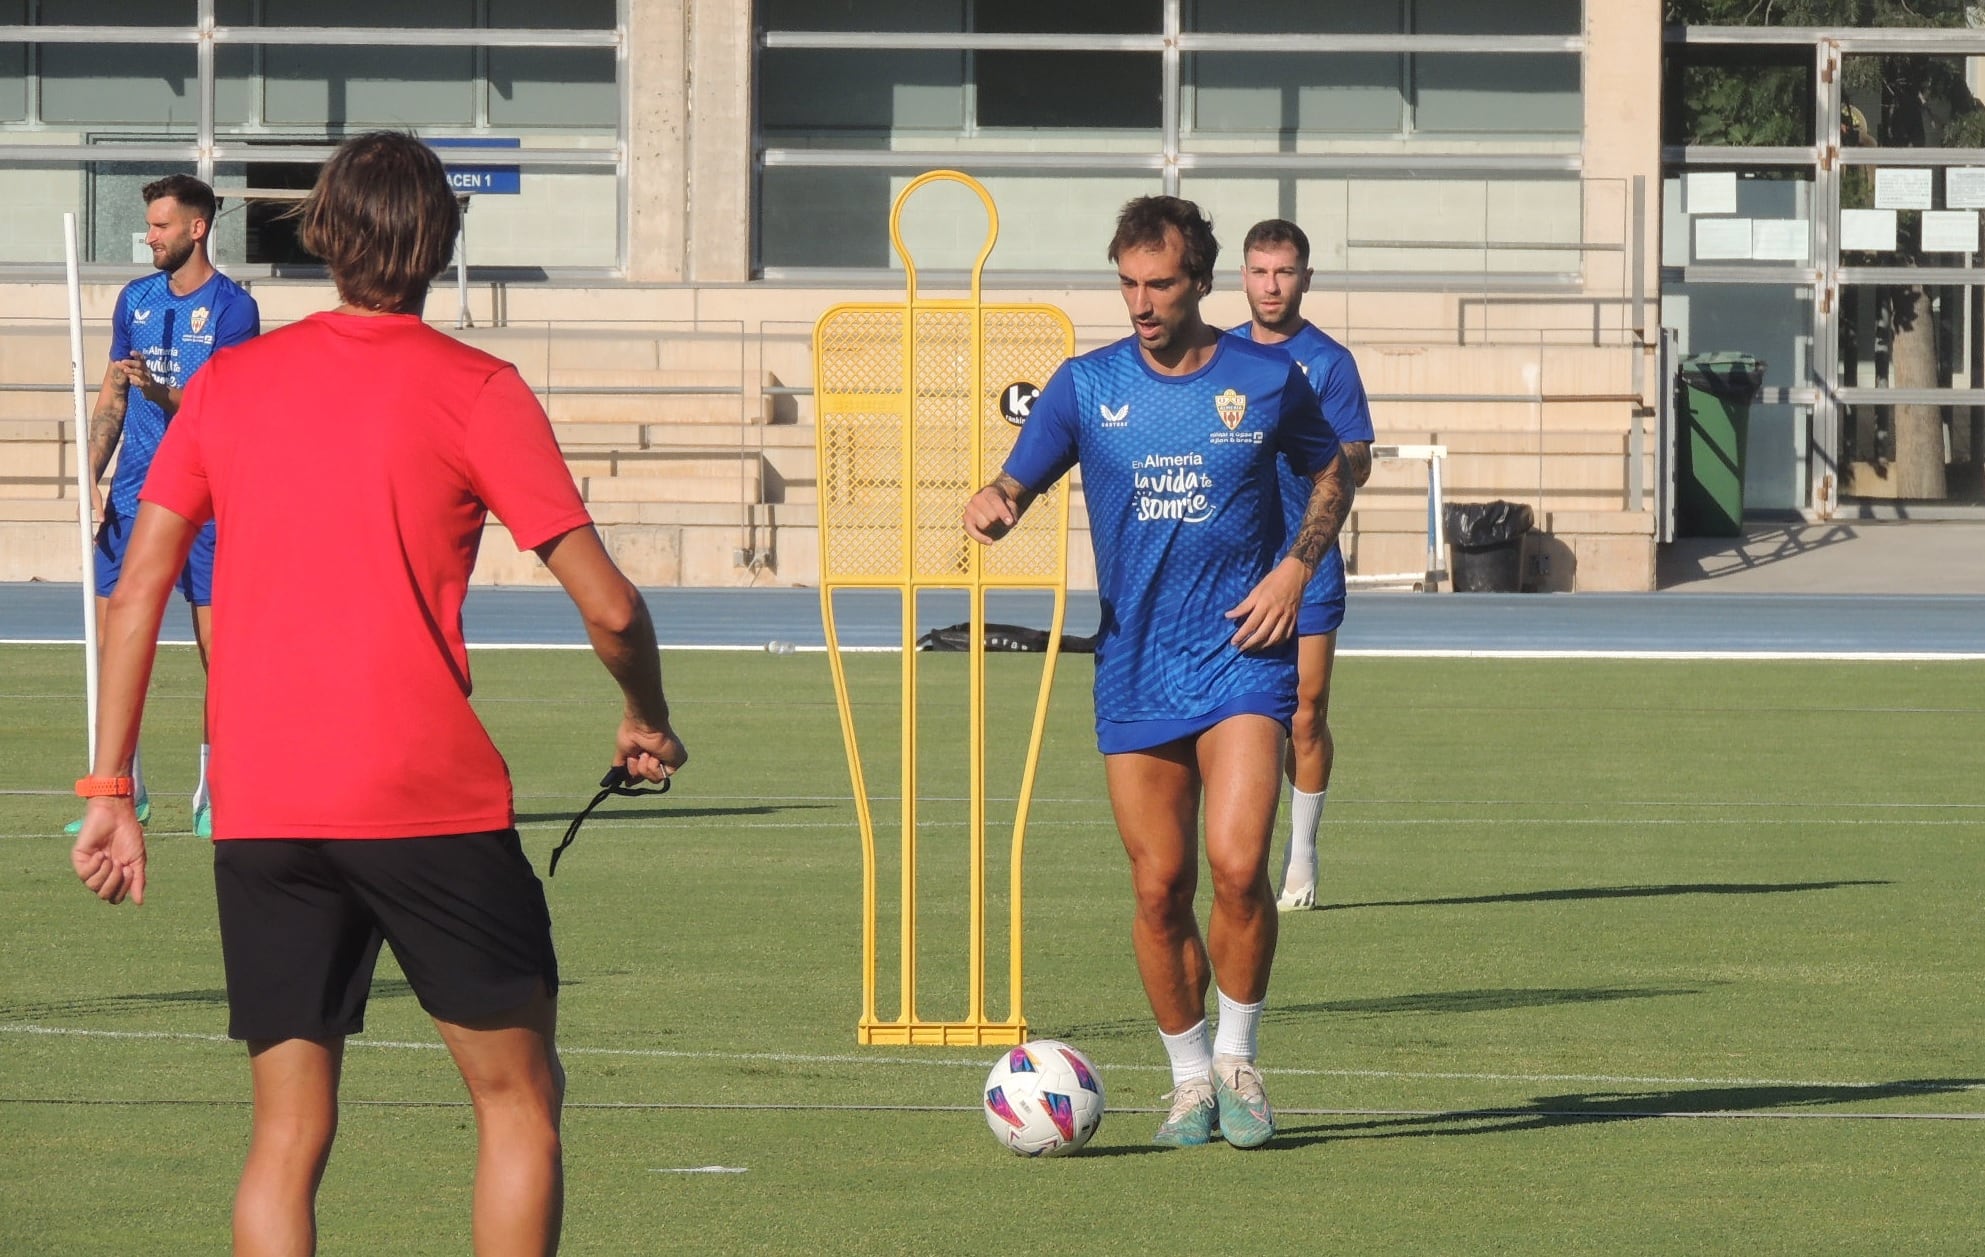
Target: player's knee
<point>1238,882</point>
<point>295,1143</point>
<point>1308,728</point>
<point>1165,898</point>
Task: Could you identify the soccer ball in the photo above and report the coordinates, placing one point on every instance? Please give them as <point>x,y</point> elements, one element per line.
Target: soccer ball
<point>1044,1099</point>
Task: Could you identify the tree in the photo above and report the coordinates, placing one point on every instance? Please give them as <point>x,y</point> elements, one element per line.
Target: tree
<point>1919,101</point>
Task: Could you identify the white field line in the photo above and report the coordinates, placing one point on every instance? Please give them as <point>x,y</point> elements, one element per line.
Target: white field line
<point>605,824</point>
<point>638,1106</point>
<point>1098,800</point>
<point>956,1063</point>
<point>1761,656</point>
<point>598,824</point>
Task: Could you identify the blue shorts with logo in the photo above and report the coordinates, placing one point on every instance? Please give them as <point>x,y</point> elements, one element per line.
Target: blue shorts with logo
<point>1120,737</point>
<point>196,581</point>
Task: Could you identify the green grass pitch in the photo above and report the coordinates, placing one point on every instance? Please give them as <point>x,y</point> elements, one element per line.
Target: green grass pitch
<point>1560,896</point>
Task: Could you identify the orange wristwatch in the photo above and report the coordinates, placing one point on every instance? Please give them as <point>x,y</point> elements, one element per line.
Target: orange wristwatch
<point>103,788</point>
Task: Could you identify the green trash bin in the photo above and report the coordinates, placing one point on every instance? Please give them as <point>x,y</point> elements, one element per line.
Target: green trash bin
<point>1713,396</point>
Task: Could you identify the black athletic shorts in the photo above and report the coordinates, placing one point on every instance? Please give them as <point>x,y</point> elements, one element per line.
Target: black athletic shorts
<point>302,920</point>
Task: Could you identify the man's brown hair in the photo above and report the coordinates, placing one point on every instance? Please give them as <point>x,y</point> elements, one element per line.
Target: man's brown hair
<point>1145,222</point>
<point>384,219</point>
<point>1270,232</point>
<point>191,193</point>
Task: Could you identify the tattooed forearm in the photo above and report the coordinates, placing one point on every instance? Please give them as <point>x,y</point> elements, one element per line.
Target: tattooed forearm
<point>1020,495</point>
<point>1359,455</point>
<point>1330,506</point>
<point>106,426</point>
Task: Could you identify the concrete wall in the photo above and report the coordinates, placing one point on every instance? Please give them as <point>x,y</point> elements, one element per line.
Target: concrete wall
<point>715,488</point>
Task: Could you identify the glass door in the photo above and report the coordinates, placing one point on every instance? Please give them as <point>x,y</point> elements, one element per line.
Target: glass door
<point>1905,282</point>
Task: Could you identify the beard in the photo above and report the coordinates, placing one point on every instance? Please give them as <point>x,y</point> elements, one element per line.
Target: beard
<point>173,258</point>
<point>1284,317</point>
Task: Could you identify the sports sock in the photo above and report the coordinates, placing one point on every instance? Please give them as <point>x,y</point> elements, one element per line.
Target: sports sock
<point>137,774</point>
<point>1191,1055</point>
<point>1305,815</point>
<point>200,798</point>
<point>1238,1024</point>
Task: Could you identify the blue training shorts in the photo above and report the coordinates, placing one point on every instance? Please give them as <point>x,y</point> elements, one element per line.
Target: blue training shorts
<point>1323,600</point>
<point>1119,737</point>
<point>196,581</point>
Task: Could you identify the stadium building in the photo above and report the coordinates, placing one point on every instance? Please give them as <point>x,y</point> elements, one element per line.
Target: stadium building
<point>665,194</point>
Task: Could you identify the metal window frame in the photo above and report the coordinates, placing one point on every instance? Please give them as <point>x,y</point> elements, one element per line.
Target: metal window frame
<point>207,148</point>
<point>1171,43</point>
<point>1826,158</point>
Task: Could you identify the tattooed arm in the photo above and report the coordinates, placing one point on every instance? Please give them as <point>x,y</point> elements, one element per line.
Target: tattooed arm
<point>106,427</point>
<point>1330,505</point>
<point>995,509</point>
<point>1359,455</point>
<point>1268,614</point>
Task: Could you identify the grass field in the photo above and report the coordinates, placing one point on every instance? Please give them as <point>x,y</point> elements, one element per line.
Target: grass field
<point>1562,898</point>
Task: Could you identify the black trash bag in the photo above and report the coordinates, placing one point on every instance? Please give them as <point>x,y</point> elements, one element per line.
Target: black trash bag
<point>1472,525</point>
<point>1003,638</point>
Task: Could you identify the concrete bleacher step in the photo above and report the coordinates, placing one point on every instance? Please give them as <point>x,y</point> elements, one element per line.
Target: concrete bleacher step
<point>38,500</point>
<point>672,513</point>
<point>730,487</point>
<point>39,406</point>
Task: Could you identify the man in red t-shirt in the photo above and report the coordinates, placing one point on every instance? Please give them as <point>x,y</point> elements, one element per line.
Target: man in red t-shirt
<point>408,831</point>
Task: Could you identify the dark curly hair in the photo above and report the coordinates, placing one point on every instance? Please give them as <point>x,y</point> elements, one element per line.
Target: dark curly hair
<point>1145,222</point>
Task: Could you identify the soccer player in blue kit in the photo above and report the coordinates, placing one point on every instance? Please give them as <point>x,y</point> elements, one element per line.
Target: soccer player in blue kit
<point>165,327</point>
<point>1178,430</point>
<point>1275,273</point>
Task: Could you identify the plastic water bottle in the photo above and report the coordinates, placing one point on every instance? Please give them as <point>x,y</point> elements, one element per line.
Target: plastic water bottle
<point>778,647</point>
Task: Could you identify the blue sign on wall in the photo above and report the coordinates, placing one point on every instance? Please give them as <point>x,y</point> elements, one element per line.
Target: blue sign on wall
<point>481,180</point>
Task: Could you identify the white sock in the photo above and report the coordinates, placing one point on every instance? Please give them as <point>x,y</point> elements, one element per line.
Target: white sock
<point>1238,1024</point>
<point>1192,1056</point>
<point>200,796</point>
<point>1299,861</point>
<point>137,776</point>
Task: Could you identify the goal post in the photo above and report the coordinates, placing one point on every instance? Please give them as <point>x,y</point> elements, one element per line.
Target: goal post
<point>1435,572</point>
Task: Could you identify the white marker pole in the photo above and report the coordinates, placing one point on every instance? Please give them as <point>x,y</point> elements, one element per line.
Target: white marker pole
<point>84,522</point>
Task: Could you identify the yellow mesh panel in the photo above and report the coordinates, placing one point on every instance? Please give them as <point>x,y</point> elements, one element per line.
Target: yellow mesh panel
<point>1021,345</point>
<point>861,490</point>
<point>943,408</point>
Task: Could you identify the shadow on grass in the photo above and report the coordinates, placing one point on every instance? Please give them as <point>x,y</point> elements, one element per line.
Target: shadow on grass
<point>1483,1001</point>
<point>1580,1108</point>
<point>1612,892</point>
<point>152,1001</point>
<point>663,811</point>
<point>1120,1150</point>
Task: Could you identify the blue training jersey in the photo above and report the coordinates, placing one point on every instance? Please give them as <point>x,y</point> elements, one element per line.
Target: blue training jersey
<point>1333,377</point>
<point>1179,472</point>
<point>176,335</point>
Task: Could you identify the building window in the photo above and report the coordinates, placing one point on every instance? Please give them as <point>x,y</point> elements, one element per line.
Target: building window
<point>84,124</point>
<point>1273,106</point>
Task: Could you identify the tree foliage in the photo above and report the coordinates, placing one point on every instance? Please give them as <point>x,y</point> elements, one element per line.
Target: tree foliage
<point>1905,13</point>
<point>1729,97</point>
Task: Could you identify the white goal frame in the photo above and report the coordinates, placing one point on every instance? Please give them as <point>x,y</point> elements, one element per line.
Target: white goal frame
<point>1436,570</point>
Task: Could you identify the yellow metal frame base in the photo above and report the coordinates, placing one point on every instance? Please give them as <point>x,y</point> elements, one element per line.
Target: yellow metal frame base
<point>942,1033</point>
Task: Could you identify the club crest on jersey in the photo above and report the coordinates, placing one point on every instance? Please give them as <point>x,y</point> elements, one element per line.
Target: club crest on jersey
<point>1118,418</point>
<point>1233,408</point>
<point>199,322</point>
